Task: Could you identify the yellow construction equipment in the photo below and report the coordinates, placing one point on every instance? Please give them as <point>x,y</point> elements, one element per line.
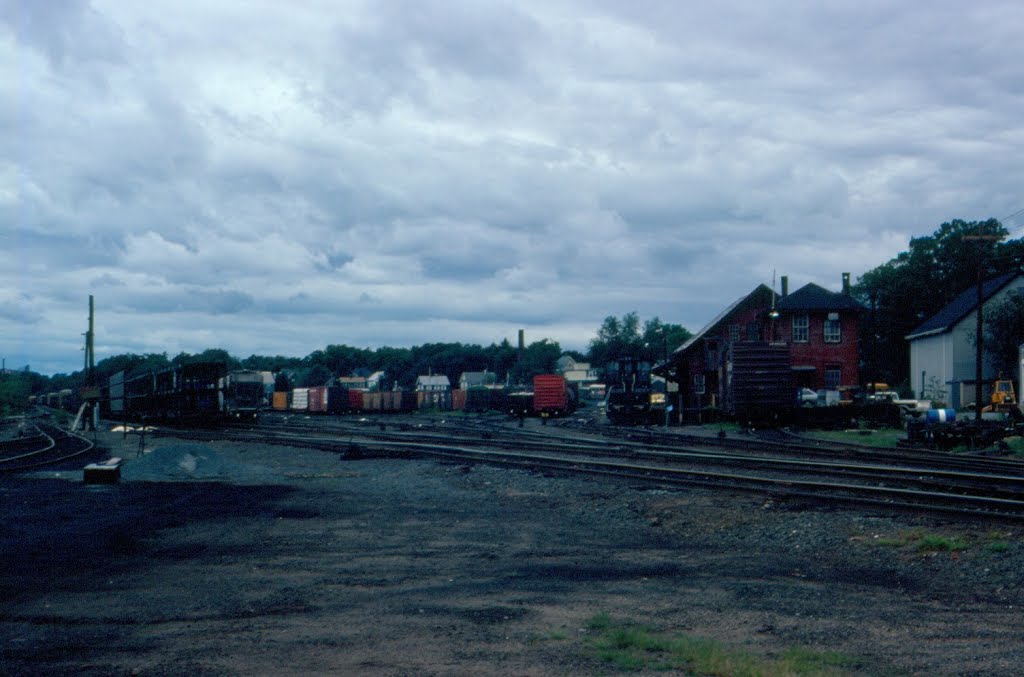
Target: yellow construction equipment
<point>1003,397</point>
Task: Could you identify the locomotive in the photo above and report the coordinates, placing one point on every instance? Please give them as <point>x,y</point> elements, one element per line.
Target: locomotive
<point>628,384</point>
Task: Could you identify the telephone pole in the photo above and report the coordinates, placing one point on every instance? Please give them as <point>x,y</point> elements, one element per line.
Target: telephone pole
<point>979,330</point>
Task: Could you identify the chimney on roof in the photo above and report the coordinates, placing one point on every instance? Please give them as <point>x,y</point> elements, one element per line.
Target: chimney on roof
<point>785,286</point>
<point>846,283</point>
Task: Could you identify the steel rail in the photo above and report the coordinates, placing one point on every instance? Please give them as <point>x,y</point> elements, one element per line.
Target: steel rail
<point>820,491</point>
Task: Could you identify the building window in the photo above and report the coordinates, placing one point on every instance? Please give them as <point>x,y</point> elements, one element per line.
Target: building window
<point>753,331</point>
<point>833,331</point>
<point>801,326</point>
<point>698,384</point>
<point>734,332</point>
<point>833,378</point>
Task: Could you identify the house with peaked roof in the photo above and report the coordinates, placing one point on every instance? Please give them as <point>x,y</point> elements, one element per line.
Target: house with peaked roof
<point>822,330</point>
<point>699,366</point>
<point>819,327</point>
<point>477,379</point>
<point>580,374</point>
<point>433,383</point>
<point>943,356</point>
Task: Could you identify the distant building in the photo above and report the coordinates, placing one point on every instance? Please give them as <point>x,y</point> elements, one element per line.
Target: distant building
<point>433,384</point>
<point>476,379</point>
<point>820,328</point>
<point>576,373</point>
<point>352,382</point>
<point>943,356</point>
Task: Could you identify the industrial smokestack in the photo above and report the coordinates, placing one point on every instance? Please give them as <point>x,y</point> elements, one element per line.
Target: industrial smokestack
<point>522,340</point>
<point>785,286</point>
<point>846,283</point>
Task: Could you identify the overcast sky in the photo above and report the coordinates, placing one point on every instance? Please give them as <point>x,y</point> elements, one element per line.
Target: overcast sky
<point>274,177</point>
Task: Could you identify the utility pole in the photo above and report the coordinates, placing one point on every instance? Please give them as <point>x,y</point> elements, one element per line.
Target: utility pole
<point>979,330</point>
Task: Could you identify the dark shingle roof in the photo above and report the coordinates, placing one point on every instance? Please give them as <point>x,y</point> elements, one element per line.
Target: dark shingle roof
<point>812,297</point>
<point>761,294</point>
<point>960,307</point>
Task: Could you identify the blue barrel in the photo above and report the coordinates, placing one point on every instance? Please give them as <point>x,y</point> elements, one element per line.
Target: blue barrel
<point>941,415</point>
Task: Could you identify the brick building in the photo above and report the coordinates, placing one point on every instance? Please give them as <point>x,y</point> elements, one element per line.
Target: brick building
<point>820,328</point>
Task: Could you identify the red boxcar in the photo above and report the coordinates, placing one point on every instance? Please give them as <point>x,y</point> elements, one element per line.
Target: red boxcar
<point>318,399</point>
<point>552,396</point>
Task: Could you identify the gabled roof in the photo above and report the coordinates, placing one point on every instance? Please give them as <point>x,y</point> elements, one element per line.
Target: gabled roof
<point>753,297</point>
<point>436,380</point>
<point>960,307</point>
<point>813,297</point>
<point>474,378</point>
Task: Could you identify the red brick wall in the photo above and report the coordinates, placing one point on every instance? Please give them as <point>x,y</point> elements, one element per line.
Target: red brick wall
<point>815,352</point>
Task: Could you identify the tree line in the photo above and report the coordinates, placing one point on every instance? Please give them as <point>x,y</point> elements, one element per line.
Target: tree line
<point>902,293</point>
<point>898,296</point>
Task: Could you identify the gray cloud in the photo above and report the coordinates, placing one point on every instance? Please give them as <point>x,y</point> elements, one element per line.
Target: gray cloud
<point>270,178</point>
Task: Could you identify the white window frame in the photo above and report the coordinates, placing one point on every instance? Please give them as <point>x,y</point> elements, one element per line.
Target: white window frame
<point>833,331</point>
<point>801,328</point>
<point>699,384</point>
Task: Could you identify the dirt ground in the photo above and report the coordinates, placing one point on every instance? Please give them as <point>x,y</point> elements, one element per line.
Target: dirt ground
<point>228,559</point>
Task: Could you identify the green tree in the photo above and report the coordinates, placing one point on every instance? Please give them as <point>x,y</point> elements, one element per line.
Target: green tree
<point>1004,332</point>
<point>908,289</point>
<point>616,338</point>
<point>318,375</point>
<point>624,338</point>
<point>660,339</point>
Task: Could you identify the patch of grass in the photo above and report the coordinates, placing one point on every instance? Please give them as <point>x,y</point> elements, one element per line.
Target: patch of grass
<point>631,647</point>
<point>921,541</point>
<point>1016,445</point>
<point>882,437</point>
<point>936,543</point>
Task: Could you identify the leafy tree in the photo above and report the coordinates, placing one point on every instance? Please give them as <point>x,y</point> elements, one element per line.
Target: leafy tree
<point>1004,332</point>
<point>15,389</point>
<point>282,384</point>
<point>917,283</point>
<point>623,338</point>
<point>318,375</point>
<point>539,357</point>
<point>208,355</point>
<point>660,339</point>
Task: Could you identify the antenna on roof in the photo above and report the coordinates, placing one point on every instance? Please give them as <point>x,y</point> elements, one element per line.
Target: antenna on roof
<point>773,313</point>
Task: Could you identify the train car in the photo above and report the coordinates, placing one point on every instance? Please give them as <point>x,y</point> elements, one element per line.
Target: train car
<point>299,399</point>
<point>279,400</point>
<point>552,396</point>
<point>434,399</point>
<point>243,394</point>
<point>519,403</point>
<point>628,387</point>
<point>185,394</point>
<point>759,387</point>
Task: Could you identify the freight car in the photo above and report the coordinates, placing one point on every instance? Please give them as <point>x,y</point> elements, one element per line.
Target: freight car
<point>759,383</point>
<point>185,394</point>
<point>243,394</point>
<point>628,387</point>
<point>552,396</point>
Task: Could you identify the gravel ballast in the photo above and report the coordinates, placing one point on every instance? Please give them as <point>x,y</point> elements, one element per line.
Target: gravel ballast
<point>230,559</point>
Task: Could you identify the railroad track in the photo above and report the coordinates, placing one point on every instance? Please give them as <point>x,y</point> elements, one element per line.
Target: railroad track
<point>47,447</point>
<point>893,486</point>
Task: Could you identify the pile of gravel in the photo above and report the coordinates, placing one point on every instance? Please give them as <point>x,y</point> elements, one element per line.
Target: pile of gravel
<point>182,461</point>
